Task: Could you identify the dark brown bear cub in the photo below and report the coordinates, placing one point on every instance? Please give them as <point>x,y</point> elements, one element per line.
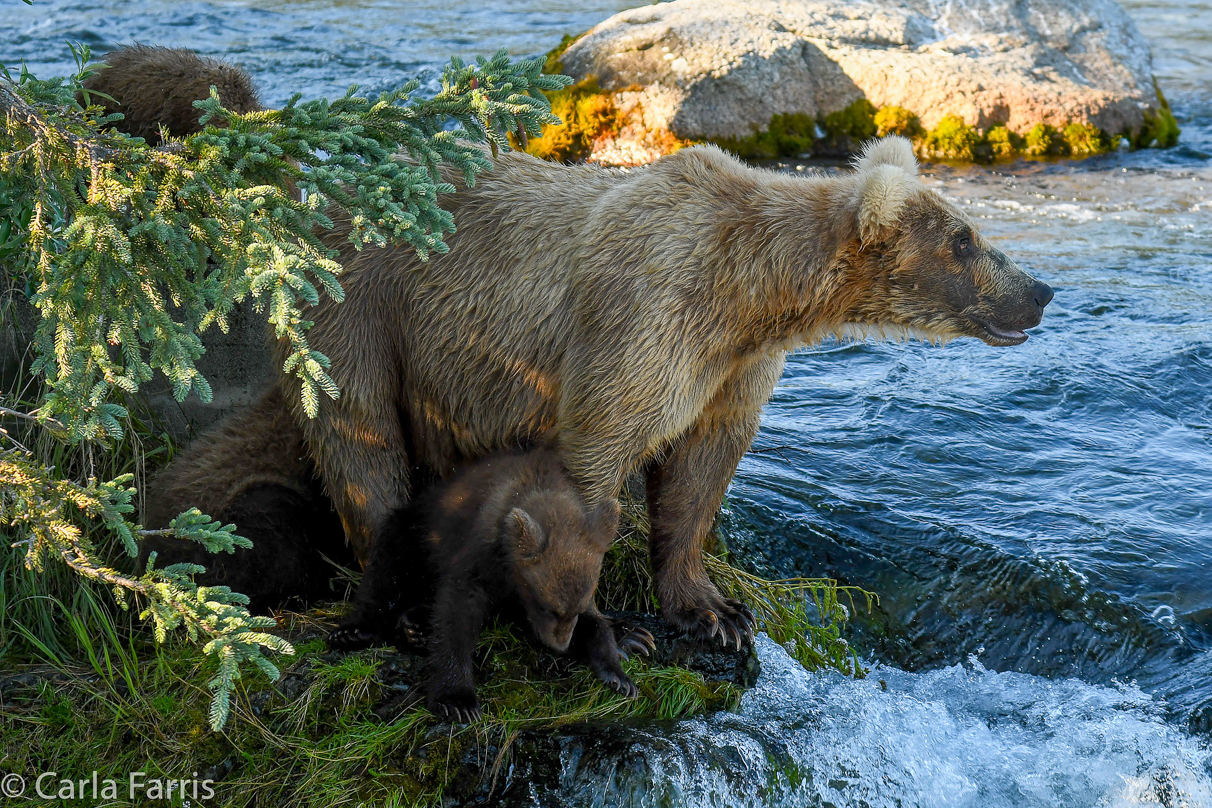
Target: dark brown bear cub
<point>508,535</point>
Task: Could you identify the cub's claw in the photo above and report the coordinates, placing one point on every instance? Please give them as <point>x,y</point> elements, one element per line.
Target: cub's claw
<point>351,638</point>
<point>637,641</point>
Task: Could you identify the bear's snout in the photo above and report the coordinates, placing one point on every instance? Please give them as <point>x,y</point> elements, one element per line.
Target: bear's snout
<point>1041,295</point>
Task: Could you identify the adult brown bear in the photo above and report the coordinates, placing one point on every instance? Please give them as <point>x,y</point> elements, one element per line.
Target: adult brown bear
<point>635,321</point>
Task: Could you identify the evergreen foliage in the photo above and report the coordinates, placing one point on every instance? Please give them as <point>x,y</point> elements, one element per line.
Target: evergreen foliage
<point>130,252</point>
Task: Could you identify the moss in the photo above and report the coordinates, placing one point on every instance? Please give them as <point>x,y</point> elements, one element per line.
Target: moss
<point>586,110</point>
<point>1159,129</point>
<point>897,121</point>
<point>806,615</point>
<point>1004,143</point>
<point>952,139</point>
<point>1043,139</point>
<point>787,135</point>
<point>587,113</point>
<point>856,122</point>
<point>1083,139</point>
<point>846,129</point>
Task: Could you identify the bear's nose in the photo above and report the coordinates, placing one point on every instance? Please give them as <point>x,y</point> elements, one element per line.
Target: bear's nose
<point>1042,294</point>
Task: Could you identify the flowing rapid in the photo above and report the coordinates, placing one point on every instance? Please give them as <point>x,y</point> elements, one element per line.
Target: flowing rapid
<point>1036,520</point>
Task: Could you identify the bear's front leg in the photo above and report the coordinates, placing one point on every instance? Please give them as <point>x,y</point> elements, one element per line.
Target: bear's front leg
<point>357,441</point>
<point>685,490</point>
<point>458,617</point>
<point>594,642</point>
<point>395,590</point>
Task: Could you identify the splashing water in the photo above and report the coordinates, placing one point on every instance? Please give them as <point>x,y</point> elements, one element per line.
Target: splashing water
<point>950,738</point>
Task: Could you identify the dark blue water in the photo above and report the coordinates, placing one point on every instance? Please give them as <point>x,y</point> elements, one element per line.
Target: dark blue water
<point>1037,520</point>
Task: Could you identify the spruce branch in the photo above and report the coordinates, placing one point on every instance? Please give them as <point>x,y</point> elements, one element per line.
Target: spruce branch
<point>46,511</point>
<point>130,252</point>
<point>150,246</point>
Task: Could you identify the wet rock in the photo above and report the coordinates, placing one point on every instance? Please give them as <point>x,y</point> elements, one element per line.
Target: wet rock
<point>722,69</point>
<point>717,663</point>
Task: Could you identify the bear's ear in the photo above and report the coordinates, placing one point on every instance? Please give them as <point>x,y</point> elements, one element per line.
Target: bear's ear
<point>889,151</point>
<point>525,537</point>
<point>882,193</point>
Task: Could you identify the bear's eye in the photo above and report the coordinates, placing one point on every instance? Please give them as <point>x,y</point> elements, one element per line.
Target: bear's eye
<point>963,244</point>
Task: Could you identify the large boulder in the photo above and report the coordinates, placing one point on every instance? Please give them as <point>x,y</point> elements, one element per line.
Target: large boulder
<point>723,69</point>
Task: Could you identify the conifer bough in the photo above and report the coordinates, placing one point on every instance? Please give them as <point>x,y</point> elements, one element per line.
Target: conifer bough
<point>130,252</point>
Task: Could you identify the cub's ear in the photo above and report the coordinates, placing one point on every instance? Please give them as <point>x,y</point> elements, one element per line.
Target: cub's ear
<point>524,536</point>
<point>604,522</point>
<point>882,193</point>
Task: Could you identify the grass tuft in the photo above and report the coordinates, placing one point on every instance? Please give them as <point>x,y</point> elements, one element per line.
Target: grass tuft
<point>349,730</point>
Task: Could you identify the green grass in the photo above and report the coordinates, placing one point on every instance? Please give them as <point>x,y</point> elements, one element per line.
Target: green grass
<point>99,694</point>
<point>313,740</point>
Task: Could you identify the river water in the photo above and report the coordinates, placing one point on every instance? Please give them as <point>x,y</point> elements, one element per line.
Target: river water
<point>1037,520</point>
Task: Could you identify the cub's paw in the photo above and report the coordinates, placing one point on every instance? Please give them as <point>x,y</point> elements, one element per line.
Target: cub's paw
<point>410,634</point>
<point>636,641</point>
<point>456,705</point>
<point>613,677</point>
<point>352,638</point>
<point>715,618</point>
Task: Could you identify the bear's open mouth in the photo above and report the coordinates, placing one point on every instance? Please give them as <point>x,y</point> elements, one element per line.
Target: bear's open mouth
<point>996,335</point>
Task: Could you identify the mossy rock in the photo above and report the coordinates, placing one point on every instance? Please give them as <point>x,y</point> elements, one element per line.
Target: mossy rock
<point>789,135</point>
<point>952,139</point>
<point>591,118</point>
<point>897,121</point>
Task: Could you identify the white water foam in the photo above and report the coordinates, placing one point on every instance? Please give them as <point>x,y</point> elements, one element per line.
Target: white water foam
<point>960,736</point>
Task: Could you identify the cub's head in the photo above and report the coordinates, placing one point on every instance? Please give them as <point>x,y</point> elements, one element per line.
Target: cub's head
<point>922,267</point>
<point>556,550</point>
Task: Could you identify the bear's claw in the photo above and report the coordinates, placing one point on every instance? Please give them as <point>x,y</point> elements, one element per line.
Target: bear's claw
<point>729,621</point>
<point>620,683</point>
<point>456,707</point>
